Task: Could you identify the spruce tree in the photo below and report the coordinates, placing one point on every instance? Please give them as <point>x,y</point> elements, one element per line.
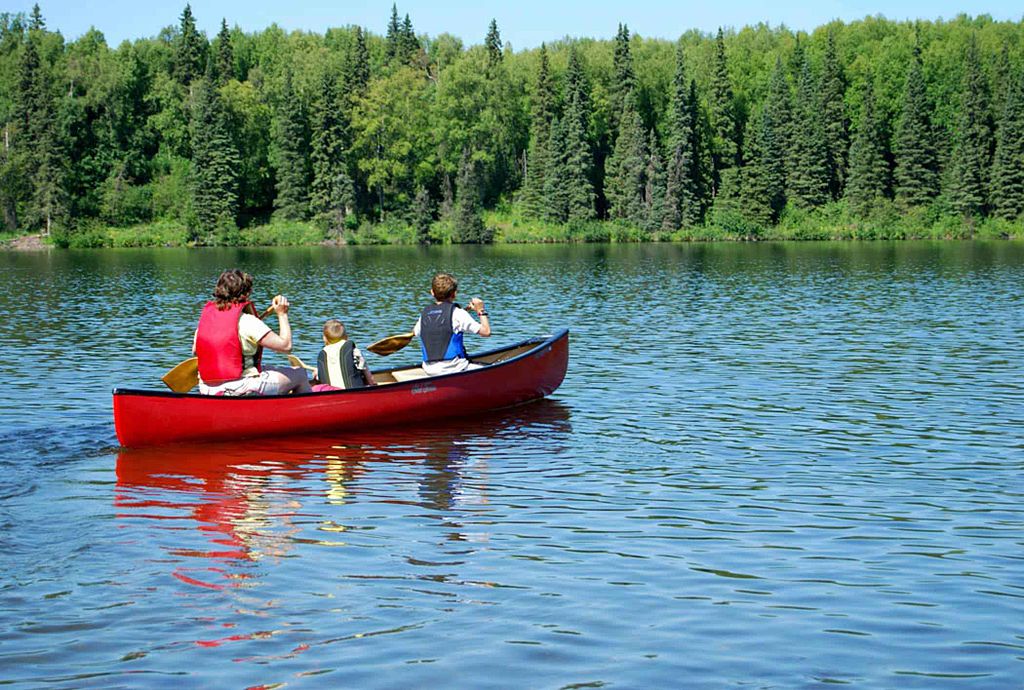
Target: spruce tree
<point>422,216</point>
<point>625,183</point>
<point>356,68</point>
<point>916,174</point>
<point>624,81</point>
<point>758,179</point>
<point>556,191</point>
<point>725,150</point>
<point>654,186</point>
<point>1008,165</point>
<point>409,44</point>
<point>776,136</point>
<point>225,54</point>
<point>833,116</point>
<point>468,225</point>
<point>868,179</point>
<point>393,39</point>
<point>190,50</point>
<point>38,152</point>
<point>493,44</point>
<point>36,21</point>
<point>542,114</point>
<point>703,139</point>
<point>215,164</point>
<point>579,190</point>
<point>808,162</point>
<point>291,160</point>
<point>971,160</point>
<point>682,205</point>
<point>332,195</point>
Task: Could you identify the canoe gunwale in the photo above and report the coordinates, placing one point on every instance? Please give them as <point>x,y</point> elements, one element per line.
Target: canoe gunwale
<point>538,343</point>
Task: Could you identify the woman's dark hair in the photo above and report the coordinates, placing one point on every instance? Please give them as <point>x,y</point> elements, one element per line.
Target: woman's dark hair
<point>233,286</point>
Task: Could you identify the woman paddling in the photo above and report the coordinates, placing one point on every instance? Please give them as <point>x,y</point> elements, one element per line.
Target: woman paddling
<point>230,339</point>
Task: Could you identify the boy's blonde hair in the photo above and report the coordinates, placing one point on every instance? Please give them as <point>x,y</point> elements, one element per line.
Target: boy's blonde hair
<point>334,330</point>
<point>443,286</point>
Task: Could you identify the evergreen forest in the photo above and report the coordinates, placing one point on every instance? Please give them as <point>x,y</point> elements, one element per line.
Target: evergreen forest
<point>868,129</point>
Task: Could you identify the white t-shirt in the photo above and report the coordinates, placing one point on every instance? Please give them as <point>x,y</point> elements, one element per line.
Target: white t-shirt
<point>462,322</point>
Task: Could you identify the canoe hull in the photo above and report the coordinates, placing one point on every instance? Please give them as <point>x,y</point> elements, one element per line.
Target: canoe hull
<point>147,418</point>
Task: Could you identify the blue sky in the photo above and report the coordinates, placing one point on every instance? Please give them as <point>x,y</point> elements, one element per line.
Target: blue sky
<point>525,23</point>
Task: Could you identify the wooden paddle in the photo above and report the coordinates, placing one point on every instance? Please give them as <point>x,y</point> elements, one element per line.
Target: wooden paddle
<point>296,362</point>
<point>391,344</point>
<point>185,376</point>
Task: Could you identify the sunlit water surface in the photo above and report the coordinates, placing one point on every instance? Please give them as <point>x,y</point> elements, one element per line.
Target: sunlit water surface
<point>769,466</point>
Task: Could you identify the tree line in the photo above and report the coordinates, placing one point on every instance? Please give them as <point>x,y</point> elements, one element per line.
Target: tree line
<point>739,130</point>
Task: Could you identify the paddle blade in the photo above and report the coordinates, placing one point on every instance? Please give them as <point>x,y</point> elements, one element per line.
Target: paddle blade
<point>184,377</point>
<point>391,344</point>
<point>296,362</point>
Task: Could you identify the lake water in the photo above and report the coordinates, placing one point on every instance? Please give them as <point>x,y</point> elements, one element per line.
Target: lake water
<point>769,466</point>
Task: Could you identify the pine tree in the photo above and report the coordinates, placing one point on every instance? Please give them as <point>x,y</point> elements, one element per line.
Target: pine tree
<point>916,174</point>
<point>225,54</point>
<point>725,150</point>
<point>292,156</point>
<point>776,138</point>
<point>190,51</point>
<point>625,183</point>
<point>808,162</point>
<point>654,186</point>
<point>1008,165</point>
<point>422,216</point>
<point>468,224</point>
<point>971,160</point>
<point>332,194</point>
<point>868,179</point>
<point>215,164</point>
<point>579,190</point>
<point>493,45</point>
<point>833,117</point>
<point>682,205</point>
<point>542,114</point>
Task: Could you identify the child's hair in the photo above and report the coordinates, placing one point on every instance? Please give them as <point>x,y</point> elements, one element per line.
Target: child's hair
<point>334,330</point>
<point>444,286</point>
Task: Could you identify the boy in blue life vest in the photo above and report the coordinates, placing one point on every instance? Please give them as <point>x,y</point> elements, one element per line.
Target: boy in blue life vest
<point>442,324</point>
<point>340,364</point>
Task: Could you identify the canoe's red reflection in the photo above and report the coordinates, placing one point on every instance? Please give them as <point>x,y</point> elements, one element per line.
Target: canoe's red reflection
<point>244,498</point>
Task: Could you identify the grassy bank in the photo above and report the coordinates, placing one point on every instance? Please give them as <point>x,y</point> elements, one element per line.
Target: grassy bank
<point>828,223</point>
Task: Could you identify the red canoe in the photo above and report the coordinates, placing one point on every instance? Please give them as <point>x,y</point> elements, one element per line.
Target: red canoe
<point>515,374</point>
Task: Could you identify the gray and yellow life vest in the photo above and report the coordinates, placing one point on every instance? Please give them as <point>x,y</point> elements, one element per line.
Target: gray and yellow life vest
<point>336,366</point>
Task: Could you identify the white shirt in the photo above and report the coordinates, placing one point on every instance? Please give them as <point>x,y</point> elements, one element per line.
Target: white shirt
<point>462,322</point>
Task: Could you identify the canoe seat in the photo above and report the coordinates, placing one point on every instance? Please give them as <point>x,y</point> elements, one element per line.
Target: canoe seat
<point>409,374</point>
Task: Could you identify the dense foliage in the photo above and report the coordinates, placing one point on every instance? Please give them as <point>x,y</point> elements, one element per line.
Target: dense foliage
<point>861,129</point>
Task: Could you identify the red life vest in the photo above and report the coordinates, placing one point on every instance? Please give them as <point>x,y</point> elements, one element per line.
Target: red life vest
<point>217,344</point>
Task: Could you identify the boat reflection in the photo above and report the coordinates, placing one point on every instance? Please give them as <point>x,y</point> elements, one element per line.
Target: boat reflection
<point>245,501</point>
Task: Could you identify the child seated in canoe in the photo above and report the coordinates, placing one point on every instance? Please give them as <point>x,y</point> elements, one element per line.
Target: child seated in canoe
<point>340,364</point>
<point>442,324</point>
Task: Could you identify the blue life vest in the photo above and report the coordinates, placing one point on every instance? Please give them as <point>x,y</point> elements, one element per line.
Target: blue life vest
<point>436,337</point>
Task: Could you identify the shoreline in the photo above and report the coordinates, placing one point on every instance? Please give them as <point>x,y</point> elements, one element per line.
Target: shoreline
<point>510,230</point>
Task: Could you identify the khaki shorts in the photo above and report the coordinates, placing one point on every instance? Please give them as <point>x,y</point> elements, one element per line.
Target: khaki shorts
<point>264,384</point>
